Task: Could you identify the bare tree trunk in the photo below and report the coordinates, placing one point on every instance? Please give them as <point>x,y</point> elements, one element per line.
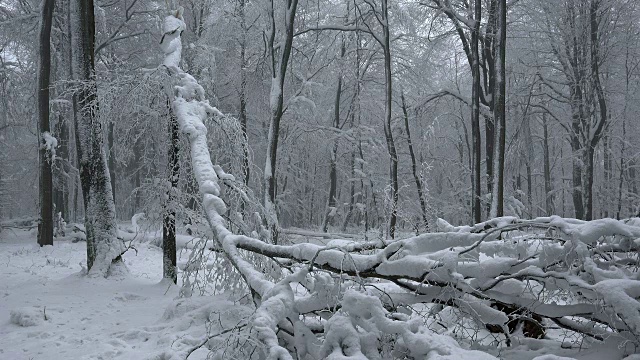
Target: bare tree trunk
<point>61,190</point>
<point>414,166</point>
<point>608,175</point>
<point>243,96</point>
<point>333,157</point>
<point>623,141</point>
<point>352,191</point>
<point>278,70</point>
<point>600,126</point>
<point>391,147</point>
<point>528,159</point>
<point>169,270</point>
<point>475,112</point>
<point>103,246</point>
<point>45,226</point>
<point>490,45</point>
<point>333,173</point>
<point>548,195</point>
<point>499,113</point>
<point>356,104</point>
<point>112,158</point>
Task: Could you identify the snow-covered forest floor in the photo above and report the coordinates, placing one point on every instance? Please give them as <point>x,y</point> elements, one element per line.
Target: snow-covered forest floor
<point>49,310</point>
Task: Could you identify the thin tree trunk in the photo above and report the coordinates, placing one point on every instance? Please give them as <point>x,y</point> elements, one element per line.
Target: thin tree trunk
<point>608,175</point>
<point>352,190</point>
<point>243,96</point>
<point>414,166</point>
<point>45,226</point>
<point>490,72</point>
<point>356,104</point>
<point>333,157</point>
<point>391,147</point>
<point>475,112</point>
<point>61,193</point>
<point>333,173</point>
<point>112,158</point>
<point>588,183</point>
<point>623,141</point>
<point>548,195</point>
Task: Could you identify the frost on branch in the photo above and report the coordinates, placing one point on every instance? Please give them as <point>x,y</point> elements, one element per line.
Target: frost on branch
<point>493,283</point>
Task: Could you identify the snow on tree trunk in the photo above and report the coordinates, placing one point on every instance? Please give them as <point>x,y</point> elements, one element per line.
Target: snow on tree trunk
<point>282,50</point>
<point>104,249</point>
<point>169,262</point>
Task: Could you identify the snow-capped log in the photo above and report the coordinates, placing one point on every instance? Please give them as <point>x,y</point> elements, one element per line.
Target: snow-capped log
<point>544,272</point>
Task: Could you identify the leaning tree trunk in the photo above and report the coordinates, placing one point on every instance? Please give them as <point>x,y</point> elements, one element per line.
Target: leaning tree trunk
<point>414,166</point>
<point>45,227</point>
<point>103,246</point>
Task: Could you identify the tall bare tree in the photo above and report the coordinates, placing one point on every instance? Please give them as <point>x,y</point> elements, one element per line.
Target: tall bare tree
<point>103,246</point>
<point>45,226</point>
<point>280,51</point>
<point>499,111</point>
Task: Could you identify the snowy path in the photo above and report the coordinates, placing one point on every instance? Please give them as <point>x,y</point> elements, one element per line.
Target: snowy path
<point>86,318</point>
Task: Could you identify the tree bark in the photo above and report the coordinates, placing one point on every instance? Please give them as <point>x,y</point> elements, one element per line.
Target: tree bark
<point>279,70</point>
<point>45,226</point>
<point>103,246</point>
<point>333,157</point>
<point>475,111</point>
<point>169,263</point>
<point>548,195</point>
<point>333,173</point>
<point>490,45</point>
<point>246,171</point>
<point>499,113</point>
<point>391,147</point>
<point>112,158</point>
<point>61,190</point>
<point>600,126</point>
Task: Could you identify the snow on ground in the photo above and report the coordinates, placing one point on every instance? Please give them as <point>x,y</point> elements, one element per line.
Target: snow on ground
<point>48,310</point>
